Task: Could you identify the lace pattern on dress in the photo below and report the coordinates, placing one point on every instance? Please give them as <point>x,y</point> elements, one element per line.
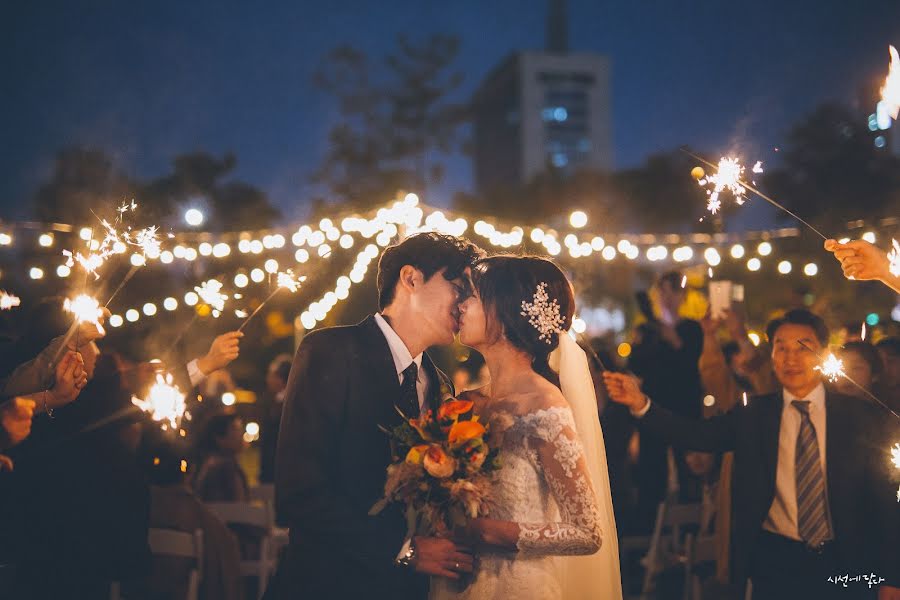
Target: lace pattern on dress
<point>554,447</point>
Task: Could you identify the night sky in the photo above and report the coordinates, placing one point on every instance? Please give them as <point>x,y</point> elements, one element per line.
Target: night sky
<point>148,82</point>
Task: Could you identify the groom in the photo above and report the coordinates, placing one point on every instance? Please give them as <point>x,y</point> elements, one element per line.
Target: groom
<point>331,460</point>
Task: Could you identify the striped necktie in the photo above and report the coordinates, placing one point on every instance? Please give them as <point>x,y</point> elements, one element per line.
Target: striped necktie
<point>812,515</point>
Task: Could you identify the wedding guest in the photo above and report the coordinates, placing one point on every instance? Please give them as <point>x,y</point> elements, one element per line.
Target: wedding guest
<point>82,500</point>
<point>665,356</point>
<point>220,477</point>
<point>862,364</point>
<point>795,527</point>
<point>276,381</point>
<point>174,506</point>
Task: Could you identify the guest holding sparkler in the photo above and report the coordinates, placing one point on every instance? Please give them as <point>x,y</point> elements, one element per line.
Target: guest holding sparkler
<point>813,497</point>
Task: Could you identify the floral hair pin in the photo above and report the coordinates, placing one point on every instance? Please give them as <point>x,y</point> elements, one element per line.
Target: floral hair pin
<point>543,314</point>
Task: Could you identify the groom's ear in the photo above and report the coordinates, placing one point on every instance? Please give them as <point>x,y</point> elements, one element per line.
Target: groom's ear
<point>410,277</point>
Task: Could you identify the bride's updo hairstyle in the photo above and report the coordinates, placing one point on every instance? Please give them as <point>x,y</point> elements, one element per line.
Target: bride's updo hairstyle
<point>503,284</point>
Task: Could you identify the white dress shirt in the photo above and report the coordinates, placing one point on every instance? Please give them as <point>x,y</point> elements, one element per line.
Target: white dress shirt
<point>782,517</point>
<point>402,358</point>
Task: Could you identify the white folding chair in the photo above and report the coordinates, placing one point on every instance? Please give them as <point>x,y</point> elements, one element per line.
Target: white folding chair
<point>666,543</point>
<point>258,515</point>
<point>170,542</point>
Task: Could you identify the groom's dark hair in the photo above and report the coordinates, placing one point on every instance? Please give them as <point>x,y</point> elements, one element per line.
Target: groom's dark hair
<point>429,253</point>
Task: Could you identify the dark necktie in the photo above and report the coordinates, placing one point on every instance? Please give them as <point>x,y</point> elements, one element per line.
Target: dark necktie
<point>812,515</point>
<point>409,396</point>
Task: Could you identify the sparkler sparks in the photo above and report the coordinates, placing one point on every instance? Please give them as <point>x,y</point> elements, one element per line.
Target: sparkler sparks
<point>890,93</point>
<point>288,281</point>
<point>727,177</point>
<point>210,293</point>
<point>125,208</point>
<point>8,301</point>
<point>895,455</point>
<point>894,259</point>
<point>832,368</point>
<point>85,309</point>
<point>164,402</point>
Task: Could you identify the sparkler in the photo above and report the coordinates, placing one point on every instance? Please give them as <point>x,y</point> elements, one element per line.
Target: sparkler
<point>832,367</point>
<point>211,293</point>
<point>890,93</point>
<point>286,281</point>
<point>728,177</point>
<point>85,309</point>
<point>8,301</point>
<point>164,402</point>
<point>863,333</point>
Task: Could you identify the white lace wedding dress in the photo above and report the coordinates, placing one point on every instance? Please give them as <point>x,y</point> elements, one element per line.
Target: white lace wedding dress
<point>544,486</point>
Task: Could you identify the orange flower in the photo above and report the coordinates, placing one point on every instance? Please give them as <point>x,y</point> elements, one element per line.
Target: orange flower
<point>454,408</point>
<point>438,463</point>
<point>416,454</point>
<point>463,431</point>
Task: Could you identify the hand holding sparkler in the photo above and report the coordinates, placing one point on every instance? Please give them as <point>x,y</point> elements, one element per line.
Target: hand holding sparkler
<point>625,389</point>
<point>866,262</point>
<point>223,350</point>
<point>70,379</point>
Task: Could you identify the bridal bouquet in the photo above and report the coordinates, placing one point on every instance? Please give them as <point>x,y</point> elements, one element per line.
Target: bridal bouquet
<point>440,469</point>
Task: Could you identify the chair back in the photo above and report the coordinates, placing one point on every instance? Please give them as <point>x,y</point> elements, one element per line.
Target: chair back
<point>171,542</point>
<point>243,513</point>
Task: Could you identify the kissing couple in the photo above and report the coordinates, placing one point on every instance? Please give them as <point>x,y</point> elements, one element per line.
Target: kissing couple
<point>550,533</point>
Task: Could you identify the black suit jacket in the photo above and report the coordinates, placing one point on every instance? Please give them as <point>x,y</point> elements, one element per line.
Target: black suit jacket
<point>861,482</point>
<point>330,468</point>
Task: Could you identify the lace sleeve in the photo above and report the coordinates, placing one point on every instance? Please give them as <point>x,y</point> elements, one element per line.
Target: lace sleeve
<point>557,450</point>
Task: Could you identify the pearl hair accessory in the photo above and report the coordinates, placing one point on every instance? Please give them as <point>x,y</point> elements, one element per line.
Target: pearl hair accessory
<point>543,314</point>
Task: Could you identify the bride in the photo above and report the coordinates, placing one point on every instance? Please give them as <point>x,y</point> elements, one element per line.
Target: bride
<point>550,533</point>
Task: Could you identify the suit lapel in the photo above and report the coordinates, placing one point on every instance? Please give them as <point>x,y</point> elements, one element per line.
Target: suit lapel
<point>770,432</point>
<point>837,445</point>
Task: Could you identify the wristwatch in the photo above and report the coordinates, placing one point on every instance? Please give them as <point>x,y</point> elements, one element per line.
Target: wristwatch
<point>407,553</point>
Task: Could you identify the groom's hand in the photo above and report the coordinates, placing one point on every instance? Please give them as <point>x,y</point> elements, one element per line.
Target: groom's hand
<point>441,557</point>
